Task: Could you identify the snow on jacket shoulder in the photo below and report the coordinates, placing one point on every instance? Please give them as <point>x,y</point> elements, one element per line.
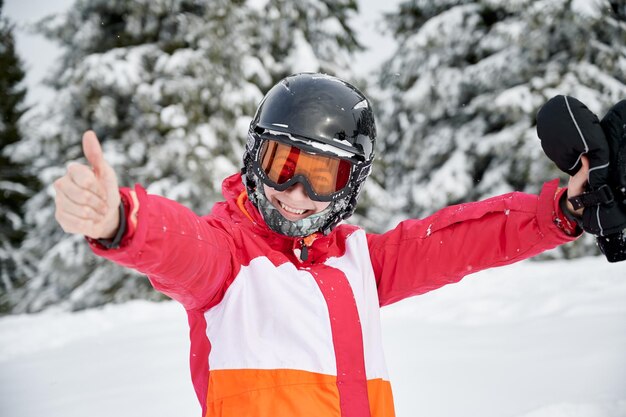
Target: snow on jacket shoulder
<point>272,335</point>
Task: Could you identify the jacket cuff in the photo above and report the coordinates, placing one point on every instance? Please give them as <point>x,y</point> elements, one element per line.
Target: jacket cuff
<point>115,242</point>
<point>550,215</point>
<point>566,220</point>
<point>126,230</point>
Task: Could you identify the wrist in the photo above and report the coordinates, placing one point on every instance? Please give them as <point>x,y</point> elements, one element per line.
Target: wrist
<point>570,209</point>
<point>567,218</point>
<point>115,225</point>
<point>114,239</point>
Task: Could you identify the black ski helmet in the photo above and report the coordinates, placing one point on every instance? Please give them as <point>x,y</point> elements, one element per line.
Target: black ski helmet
<point>320,114</point>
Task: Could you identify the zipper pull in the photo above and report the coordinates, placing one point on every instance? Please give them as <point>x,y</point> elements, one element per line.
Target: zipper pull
<point>304,251</point>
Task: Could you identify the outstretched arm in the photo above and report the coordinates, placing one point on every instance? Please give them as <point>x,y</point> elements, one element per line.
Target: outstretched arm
<point>421,255</point>
<point>184,256</point>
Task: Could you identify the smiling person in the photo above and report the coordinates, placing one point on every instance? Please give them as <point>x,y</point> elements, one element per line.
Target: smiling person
<point>283,300</point>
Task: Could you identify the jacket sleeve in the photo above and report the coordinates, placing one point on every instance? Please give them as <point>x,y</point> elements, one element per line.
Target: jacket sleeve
<point>184,256</point>
<point>421,255</point>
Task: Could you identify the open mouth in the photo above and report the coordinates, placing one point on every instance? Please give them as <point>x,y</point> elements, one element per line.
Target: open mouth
<point>292,213</point>
<point>291,209</point>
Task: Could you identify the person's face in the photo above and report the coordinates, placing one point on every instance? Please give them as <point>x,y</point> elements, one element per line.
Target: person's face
<point>294,203</point>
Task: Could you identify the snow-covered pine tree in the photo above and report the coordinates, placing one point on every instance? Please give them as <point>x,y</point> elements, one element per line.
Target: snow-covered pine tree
<point>464,86</point>
<point>16,183</point>
<point>302,36</point>
<point>169,86</point>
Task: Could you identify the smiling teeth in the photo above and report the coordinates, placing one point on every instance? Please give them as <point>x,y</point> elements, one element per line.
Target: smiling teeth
<point>291,210</point>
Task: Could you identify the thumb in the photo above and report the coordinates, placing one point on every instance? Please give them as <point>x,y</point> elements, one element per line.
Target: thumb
<point>104,172</point>
<point>578,182</point>
<point>93,152</point>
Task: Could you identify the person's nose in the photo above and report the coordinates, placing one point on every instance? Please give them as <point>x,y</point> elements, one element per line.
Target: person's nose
<point>297,191</point>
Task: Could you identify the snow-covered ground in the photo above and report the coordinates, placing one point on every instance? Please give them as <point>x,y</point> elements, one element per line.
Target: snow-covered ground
<point>531,340</point>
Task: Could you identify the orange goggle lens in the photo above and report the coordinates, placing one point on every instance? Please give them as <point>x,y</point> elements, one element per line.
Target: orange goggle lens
<point>326,175</point>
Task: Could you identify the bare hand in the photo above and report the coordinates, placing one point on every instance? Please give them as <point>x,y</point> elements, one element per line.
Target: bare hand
<point>87,197</point>
<point>577,184</point>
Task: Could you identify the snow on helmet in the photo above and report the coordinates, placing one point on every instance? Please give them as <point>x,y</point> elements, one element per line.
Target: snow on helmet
<point>319,115</point>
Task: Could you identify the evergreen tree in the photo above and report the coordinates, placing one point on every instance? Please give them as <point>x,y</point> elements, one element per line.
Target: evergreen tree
<point>466,82</point>
<point>169,86</point>
<point>304,35</point>
<point>16,184</point>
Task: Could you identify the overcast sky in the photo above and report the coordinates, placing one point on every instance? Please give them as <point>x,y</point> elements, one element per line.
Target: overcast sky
<point>38,54</point>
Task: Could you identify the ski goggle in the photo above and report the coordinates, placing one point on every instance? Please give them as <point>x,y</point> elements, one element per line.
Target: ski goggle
<point>281,166</point>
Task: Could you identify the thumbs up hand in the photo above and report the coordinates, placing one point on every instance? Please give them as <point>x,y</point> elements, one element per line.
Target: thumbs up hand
<point>87,196</point>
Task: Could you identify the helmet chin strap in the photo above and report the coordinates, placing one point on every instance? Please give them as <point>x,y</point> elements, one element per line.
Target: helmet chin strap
<point>279,224</point>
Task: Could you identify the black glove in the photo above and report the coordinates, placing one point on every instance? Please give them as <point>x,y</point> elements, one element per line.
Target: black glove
<point>614,127</point>
<point>568,130</point>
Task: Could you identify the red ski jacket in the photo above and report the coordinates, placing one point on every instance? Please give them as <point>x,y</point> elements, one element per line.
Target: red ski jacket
<point>272,335</point>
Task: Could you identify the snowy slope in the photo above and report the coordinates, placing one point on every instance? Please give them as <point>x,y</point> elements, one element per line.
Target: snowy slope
<point>530,340</point>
